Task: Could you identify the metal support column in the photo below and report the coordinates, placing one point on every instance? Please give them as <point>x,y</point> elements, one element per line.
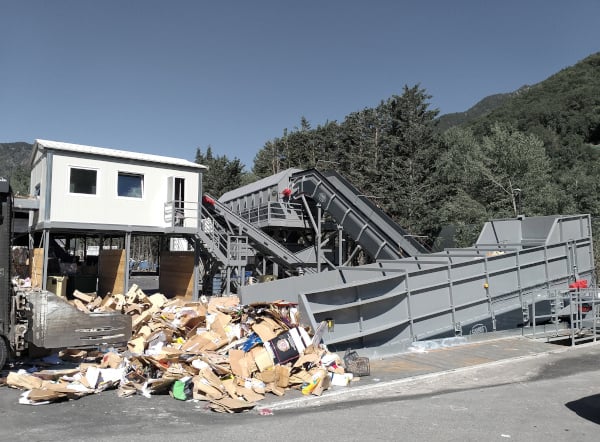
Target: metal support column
<point>340,244</point>
<point>127,258</point>
<point>197,260</point>
<point>46,244</point>
<point>318,239</point>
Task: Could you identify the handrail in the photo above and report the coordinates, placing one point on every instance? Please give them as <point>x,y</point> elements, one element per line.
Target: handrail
<point>181,213</point>
<point>271,211</point>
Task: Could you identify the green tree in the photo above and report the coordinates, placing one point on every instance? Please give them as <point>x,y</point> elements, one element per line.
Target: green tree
<point>302,148</point>
<point>458,178</point>
<point>222,175</point>
<point>19,180</point>
<point>409,147</point>
<point>518,174</point>
<point>359,149</point>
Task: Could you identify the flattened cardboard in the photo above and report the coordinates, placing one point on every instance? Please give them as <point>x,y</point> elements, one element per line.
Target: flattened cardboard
<point>95,303</point>
<point>230,387</point>
<point>212,379</point>
<point>219,325</point>
<point>145,331</point>
<point>310,359</point>
<point>202,389</point>
<point>229,405</point>
<point>142,318</point>
<point>283,376</point>
<point>158,300</point>
<point>300,377</point>
<point>267,376</point>
<point>262,358</point>
<point>84,297</point>
<point>80,306</point>
<point>207,341</point>
<point>23,381</point>
<point>111,359</point>
<point>56,374</point>
<point>249,394</point>
<point>273,388</point>
<point>265,331</point>
<point>239,366</point>
<point>43,395</point>
<point>222,302</point>
<point>137,345</point>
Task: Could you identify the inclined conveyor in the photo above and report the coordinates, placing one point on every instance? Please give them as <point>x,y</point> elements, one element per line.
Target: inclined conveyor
<point>360,218</point>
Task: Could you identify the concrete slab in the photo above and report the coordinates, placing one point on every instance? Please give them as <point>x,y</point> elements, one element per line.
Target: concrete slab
<point>435,358</point>
<point>415,363</point>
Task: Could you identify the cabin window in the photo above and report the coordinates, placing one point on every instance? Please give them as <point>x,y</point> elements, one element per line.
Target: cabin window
<point>130,185</point>
<point>83,181</point>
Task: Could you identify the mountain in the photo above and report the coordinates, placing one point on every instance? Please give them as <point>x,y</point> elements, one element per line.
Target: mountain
<point>480,109</point>
<point>563,110</point>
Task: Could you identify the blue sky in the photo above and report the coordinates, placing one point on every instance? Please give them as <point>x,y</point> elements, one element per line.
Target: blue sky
<point>167,77</point>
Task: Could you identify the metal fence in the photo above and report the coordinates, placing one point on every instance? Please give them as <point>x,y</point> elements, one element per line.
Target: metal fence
<point>564,314</point>
<point>268,213</point>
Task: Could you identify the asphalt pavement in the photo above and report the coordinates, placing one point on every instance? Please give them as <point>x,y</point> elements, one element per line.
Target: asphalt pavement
<point>430,360</point>
<point>492,388</point>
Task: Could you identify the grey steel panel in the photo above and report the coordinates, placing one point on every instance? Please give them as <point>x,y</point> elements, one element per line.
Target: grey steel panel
<point>538,228</point>
<point>54,323</point>
<point>280,179</point>
<point>498,231</point>
<point>426,299</point>
<point>4,185</point>
<point>25,204</point>
<point>5,259</point>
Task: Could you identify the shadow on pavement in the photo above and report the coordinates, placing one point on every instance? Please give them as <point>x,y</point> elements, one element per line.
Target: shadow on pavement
<point>587,407</point>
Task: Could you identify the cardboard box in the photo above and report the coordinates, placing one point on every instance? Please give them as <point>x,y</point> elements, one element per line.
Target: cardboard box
<point>267,329</point>
<point>288,346</point>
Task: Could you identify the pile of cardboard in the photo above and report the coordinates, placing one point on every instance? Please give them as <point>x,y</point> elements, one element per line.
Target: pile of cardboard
<point>215,350</point>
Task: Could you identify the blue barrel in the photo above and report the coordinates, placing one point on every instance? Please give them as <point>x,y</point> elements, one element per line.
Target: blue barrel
<point>216,285</point>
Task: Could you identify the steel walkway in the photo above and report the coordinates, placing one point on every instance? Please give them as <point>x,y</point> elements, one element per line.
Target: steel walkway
<point>226,222</point>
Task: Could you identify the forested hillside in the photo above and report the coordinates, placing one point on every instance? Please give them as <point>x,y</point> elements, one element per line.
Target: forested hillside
<point>536,153</point>
<point>14,164</point>
<point>480,109</point>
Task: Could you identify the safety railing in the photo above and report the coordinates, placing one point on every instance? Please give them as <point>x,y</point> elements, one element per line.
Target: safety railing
<point>563,314</point>
<point>232,249</point>
<point>181,213</point>
<point>272,211</point>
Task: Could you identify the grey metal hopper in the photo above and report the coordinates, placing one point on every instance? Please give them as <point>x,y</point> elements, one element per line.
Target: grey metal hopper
<point>385,306</point>
<point>57,324</point>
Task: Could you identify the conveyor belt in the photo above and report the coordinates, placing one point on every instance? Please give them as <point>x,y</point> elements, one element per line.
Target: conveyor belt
<point>368,225</point>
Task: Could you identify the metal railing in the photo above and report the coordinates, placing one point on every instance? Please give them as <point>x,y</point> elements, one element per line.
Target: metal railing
<point>181,213</point>
<point>234,248</point>
<point>563,314</point>
<point>273,210</point>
